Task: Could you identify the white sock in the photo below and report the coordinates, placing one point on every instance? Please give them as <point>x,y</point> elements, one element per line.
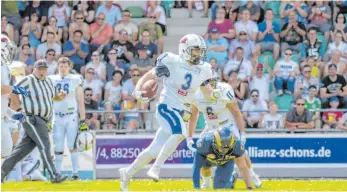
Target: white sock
<point>37,176</point>
<point>168,148</point>
<point>206,179</point>
<point>74,160</point>
<point>142,160</point>
<point>251,171</point>
<point>58,161</point>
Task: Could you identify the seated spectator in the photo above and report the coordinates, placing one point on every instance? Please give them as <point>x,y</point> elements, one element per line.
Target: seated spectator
<point>253,9</point>
<point>76,51</point>
<point>213,63</point>
<point>127,25</point>
<point>299,117</point>
<point>312,47</point>
<point>95,84</point>
<point>217,47</point>
<point>91,105</point>
<point>303,83</point>
<point>52,27</point>
<point>225,26</point>
<point>320,16</point>
<point>86,7</point>
<point>242,41</point>
<point>342,124</point>
<point>231,9</point>
<point>108,118</point>
<point>199,5</point>
<point>299,8</point>
<point>79,24</point>
<point>156,10</point>
<point>247,25</point>
<point>272,120</point>
<point>252,110</point>
<point>50,44</point>
<point>336,59</point>
<point>62,12</point>
<point>113,90</point>
<point>292,34</point>
<point>312,103</point>
<point>33,29</point>
<point>125,49</point>
<point>40,10</point>
<point>285,71</point>
<point>142,61</point>
<point>113,65</point>
<point>112,13</point>
<point>101,34</point>
<point>26,57</point>
<point>152,50</point>
<point>155,31</point>
<point>333,85</point>
<point>258,79</point>
<point>338,44</point>
<point>7,27</point>
<point>98,66</point>
<point>269,35</point>
<point>51,62</point>
<point>332,117</point>
<point>238,86</point>
<point>339,26</point>
<point>339,7</point>
<point>240,64</point>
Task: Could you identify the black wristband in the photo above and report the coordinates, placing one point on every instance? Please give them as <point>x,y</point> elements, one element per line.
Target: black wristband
<point>82,121</point>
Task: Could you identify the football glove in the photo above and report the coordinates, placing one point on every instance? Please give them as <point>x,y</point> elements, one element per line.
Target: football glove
<point>18,116</point>
<point>190,144</point>
<point>49,126</point>
<point>243,138</point>
<point>20,91</point>
<point>138,95</point>
<point>83,126</point>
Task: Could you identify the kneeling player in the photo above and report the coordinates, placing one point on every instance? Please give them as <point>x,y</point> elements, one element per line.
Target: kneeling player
<point>218,148</point>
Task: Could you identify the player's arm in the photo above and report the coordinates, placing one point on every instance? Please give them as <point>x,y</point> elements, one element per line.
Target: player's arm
<point>197,165</point>
<point>193,120</point>
<point>6,89</point>
<point>80,101</point>
<point>235,110</point>
<point>241,163</point>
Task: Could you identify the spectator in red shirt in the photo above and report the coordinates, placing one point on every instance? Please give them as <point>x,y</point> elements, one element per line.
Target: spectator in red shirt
<point>332,117</point>
<point>101,34</point>
<point>224,26</point>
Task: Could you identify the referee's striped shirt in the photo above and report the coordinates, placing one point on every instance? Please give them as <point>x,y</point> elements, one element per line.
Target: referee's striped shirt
<point>40,99</point>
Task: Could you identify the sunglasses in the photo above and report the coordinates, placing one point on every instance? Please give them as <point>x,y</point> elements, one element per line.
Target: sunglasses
<point>300,104</point>
<point>259,69</point>
<point>52,54</point>
<point>136,75</point>
<point>255,95</point>
<point>242,33</point>
<point>307,71</point>
<point>289,54</point>
<point>152,17</point>
<point>79,18</point>
<point>101,18</point>
<point>89,95</point>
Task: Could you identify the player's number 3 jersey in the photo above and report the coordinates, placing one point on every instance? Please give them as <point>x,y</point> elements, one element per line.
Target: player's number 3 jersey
<point>180,80</point>
<point>67,84</point>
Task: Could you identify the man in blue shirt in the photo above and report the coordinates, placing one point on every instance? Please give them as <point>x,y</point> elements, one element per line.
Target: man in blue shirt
<point>112,12</point>
<point>217,47</point>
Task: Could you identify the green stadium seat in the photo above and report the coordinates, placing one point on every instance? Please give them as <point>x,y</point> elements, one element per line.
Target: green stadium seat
<point>136,11</point>
<point>275,6</point>
<point>270,58</point>
<point>284,102</point>
<point>324,43</point>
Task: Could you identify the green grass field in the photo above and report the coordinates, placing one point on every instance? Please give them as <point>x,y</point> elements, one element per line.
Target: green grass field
<point>173,185</point>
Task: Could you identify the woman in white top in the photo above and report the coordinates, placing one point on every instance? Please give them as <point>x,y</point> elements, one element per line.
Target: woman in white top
<point>159,12</point>
<point>98,66</point>
<point>113,89</point>
<point>52,27</point>
<point>7,27</point>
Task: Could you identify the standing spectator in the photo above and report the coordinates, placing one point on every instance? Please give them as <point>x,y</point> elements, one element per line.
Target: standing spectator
<point>253,9</point>
<point>62,13</point>
<point>100,33</point>
<point>152,50</point>
<point>312,103</point>
<point>125,49</point>
<point>113,90</point>
<point>285,71</point>
<point>333,85</point>
<point>240,64</point>
<point>33,29</point>
<point>111,12</point>
<point>87,9</point>
<point>108,118</point>
<point>238,86</point>
<point>26,57</point>
<point>52,27</point>
<point>272,120</point>
<point>7,27</point>
<point>332,117</point>
<point>199,5</point>
<point>339,26</point>
<point>312,47</point>
<point>247,25</point>
<point>217,47</point>
<point>50,44</point>
<point>113,64</point>
<point>40,10</point>
<point>251,117</point>
<point>142,61</point>
<point>343,122</point>
<point>303,84</point>
<point>299,8</point>
<point>98,66</point>
<point>231,8</point>
<point>258,79</point>
<point>91,105</point>
<point>320,16</point>
<point>269,35</point>
<point>76,51</point>
<point>338,44</point>
<point>242,41</point>
<point>225,26</point>
<point>79,24</point>
<point>126,25</point>
<point>155,32</point>
<point>338,61</point>
<point>95,84</point>
<point>51,62</point>
<point>299,117</point>
<point>292,34</point>
<point>156,10</point>
<point>11,10</point>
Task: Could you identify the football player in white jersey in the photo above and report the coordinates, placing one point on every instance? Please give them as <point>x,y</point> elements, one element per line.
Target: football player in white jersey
<point>68,114</point>
<point>223,112</point>
<point>182,75</point>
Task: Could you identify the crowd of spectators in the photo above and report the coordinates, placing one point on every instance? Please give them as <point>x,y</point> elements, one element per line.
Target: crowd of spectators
<point>276,55</point>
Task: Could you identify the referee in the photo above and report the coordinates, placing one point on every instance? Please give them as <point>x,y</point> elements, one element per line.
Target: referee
<point>37,111</point>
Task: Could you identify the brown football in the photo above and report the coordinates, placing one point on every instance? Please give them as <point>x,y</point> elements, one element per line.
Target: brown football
<point>150,88</point>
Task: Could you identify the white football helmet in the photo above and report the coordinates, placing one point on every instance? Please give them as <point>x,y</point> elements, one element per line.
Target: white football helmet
<point>190,42</point>
<point>8,50</point>
<point>85,140</point>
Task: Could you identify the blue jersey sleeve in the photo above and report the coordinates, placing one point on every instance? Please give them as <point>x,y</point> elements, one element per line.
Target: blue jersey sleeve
<point>204,144</point>
<point>197,165</point>
<point>239,149</point>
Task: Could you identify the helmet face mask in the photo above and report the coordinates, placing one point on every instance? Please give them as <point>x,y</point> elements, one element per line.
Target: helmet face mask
<point>224,141</point>
<point>192,48</point>
<point>8,50</point>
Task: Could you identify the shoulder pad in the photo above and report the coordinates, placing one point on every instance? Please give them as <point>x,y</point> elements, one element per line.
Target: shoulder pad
<point>165,58</point>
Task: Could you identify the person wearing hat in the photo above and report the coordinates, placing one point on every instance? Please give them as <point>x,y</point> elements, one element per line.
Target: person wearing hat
<point>142,60</point>
<point>38,111</point>
<point>258,79</point>
<point>217,47</point>
<point>125,49</point>
<point>332,117</point>
<point>303,83</point>
<point>254,109</point>
<point>299,117</point>
<point>313,103</point>
<point>333,85</point>
<point>242,41</point>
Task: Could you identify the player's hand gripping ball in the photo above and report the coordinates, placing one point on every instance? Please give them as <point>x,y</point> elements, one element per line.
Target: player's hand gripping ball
<point>150,89</point>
